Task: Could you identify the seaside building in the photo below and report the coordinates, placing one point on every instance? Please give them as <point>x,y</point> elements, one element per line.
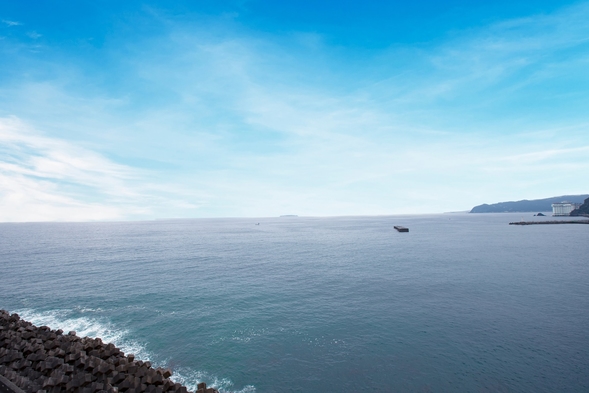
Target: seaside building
<point>564,208</point>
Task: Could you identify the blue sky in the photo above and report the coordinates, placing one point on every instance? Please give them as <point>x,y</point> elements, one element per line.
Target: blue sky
<point>115,110</point>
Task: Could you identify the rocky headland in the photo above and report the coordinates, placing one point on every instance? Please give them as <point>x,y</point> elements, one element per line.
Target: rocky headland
<point>527,206</point>
<point>41,360</point>
<point>583,210</point>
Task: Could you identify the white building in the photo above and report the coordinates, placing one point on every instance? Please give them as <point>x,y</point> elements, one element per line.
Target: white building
<point>564,208</point>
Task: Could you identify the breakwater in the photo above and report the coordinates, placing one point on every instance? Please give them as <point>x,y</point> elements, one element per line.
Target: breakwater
<point>549,222</point>
<point>42,360</point>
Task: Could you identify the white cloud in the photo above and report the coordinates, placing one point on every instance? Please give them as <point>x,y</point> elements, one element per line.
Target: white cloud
<point>34,35</point>
<point>537,156</point>
<point>26,199</point>
<point>239,129</point>
<point>43,178</point>
<point>492,62</point>
<point>11,23</point>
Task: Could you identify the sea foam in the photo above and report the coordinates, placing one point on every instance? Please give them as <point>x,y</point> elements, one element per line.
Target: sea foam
<point>100,327</point>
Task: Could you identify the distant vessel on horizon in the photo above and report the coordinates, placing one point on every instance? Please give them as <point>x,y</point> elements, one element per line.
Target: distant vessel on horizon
<point>289,215</point>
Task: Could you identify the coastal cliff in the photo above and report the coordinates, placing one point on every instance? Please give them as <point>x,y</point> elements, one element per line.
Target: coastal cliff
<point>527,206</point>
<point>41,360</point>
<point>583,210</point>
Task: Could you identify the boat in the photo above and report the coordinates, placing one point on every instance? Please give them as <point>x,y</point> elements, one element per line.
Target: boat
<point>401,229</point>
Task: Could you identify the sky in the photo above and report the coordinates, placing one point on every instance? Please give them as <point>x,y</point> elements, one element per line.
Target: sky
<point>140,110</point>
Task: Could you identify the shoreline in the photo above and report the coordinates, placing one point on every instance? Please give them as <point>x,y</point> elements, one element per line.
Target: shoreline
<point>42,360</point>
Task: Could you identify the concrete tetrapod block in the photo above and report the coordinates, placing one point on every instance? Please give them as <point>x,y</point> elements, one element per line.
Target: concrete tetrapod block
<point>7,386</point>
<point>40,359</point>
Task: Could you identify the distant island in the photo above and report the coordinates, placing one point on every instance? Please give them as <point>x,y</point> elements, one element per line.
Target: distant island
<point>528,206</point>
<point>583,210</point>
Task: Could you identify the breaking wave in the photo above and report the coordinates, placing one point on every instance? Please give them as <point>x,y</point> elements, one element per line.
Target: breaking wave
<point>108,332</point>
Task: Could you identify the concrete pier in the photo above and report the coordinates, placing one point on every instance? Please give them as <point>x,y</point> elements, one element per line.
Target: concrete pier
<point>549,222</point>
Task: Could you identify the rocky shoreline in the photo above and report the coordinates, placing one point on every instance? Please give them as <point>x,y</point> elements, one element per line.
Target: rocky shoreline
<point>41,360</point>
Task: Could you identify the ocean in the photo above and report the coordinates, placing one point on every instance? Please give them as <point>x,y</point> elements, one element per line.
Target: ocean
<point>461,303</point>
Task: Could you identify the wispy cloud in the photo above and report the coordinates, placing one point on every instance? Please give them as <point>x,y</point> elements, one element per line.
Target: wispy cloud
<point>34,35</point>
<point>488,64</point>
<point>538,156</point>
<point>48,179</point>
<point>202,123</point>
<point>11,23</point>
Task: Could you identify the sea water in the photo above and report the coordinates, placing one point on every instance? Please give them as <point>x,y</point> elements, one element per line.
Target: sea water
<point>463,302</point>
